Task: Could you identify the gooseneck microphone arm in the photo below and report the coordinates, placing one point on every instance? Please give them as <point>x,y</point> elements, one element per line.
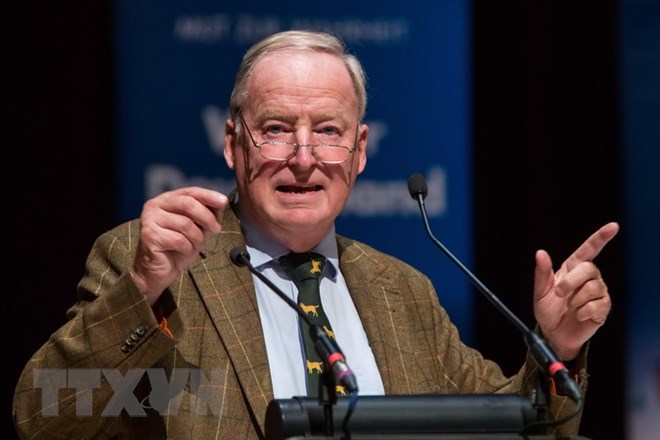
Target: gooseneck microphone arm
<point>241,258</point>
<point>326,348</point>
<point>540,350</point>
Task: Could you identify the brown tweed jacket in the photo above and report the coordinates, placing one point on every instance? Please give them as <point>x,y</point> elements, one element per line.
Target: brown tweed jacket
<point>212,312</point>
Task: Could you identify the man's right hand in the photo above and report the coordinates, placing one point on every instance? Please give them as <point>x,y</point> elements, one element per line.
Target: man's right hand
<point>173,227</point>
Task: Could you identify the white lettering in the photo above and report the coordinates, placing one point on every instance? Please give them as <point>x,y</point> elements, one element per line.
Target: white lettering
<point>247,29</point>
<point>204,29</point>
<point>370,198</point>
<point>376,198</point>
<point>391,31</point>
<point>161,177</point>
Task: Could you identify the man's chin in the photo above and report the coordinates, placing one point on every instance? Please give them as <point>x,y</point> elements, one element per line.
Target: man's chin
<point>301,218</point>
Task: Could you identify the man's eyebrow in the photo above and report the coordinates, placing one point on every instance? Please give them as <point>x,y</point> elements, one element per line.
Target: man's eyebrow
<point>337,117</point>
<point>274,114</point>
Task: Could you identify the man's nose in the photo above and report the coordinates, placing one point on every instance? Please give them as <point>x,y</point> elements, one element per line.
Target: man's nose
<point>304,156</point>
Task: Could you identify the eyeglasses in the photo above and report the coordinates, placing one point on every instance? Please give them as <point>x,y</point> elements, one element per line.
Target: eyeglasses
<point>281,151</point>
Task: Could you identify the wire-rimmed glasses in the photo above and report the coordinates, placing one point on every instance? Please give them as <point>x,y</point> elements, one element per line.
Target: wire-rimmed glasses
<point>281,151</point>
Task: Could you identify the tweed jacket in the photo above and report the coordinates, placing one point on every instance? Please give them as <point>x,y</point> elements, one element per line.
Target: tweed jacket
<point>215,359</point>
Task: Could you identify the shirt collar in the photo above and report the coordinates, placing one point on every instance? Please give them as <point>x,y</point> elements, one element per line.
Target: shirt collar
<point>263,249</point>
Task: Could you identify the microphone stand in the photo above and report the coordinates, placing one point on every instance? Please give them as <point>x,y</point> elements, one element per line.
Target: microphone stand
<point>540,350</point>
<point>327,400</point>
<point>327,395</point>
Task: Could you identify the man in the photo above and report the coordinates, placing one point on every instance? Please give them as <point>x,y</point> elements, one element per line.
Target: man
<point>162,304</point>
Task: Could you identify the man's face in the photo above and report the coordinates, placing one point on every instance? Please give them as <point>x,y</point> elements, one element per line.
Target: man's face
<point>306,98</point>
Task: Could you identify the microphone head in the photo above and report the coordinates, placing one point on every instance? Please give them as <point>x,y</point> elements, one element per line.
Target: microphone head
<point>239,256</point>
<point>417,186</point>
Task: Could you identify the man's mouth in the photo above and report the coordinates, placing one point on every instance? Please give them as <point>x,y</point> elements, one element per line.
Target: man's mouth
<point>296,189</point>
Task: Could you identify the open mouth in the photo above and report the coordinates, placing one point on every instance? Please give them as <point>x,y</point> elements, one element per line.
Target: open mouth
<point>295,189</point>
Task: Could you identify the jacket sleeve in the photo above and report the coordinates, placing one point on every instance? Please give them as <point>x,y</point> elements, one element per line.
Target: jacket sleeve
<point>65,389</point>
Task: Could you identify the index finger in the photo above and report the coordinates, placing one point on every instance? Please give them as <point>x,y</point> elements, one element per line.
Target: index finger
<point>593,245</point>
<point>208,197</point>
<point>203,206</point>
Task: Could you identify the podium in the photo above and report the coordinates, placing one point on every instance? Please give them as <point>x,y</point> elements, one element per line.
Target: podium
<point>406,417</point>
<point>444,437</point>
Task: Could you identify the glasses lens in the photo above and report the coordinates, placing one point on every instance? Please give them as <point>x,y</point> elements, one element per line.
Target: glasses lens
<point>277,150</point>
<point>331,153</point>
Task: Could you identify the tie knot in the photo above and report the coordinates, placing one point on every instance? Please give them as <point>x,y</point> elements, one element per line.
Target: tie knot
<point>308,265</point>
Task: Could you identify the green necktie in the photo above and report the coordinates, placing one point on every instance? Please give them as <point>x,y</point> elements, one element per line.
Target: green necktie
<point>306,270</point>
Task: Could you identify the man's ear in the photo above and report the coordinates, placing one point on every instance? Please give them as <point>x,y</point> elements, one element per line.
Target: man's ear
<point>230,143</point>
<point>362,147</point>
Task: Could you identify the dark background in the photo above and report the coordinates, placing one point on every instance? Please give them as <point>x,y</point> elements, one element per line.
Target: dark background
<point>546,165</point>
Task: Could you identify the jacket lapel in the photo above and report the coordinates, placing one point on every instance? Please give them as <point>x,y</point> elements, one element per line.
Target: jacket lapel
<point>229,296</point>
<point>378,301</point>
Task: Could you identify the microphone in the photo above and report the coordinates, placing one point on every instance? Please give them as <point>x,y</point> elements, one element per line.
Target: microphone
<point>540,350</point>
<point>325,347</point>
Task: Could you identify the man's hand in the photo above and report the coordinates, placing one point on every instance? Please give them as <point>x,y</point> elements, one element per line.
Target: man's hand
<point>173,227</point>
<point>572,303</point>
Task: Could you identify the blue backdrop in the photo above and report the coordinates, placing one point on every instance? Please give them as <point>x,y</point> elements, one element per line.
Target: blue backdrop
<point>175,69</point>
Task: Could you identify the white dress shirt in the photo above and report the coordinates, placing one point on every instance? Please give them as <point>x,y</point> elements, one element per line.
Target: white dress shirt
<point>280,322</point>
